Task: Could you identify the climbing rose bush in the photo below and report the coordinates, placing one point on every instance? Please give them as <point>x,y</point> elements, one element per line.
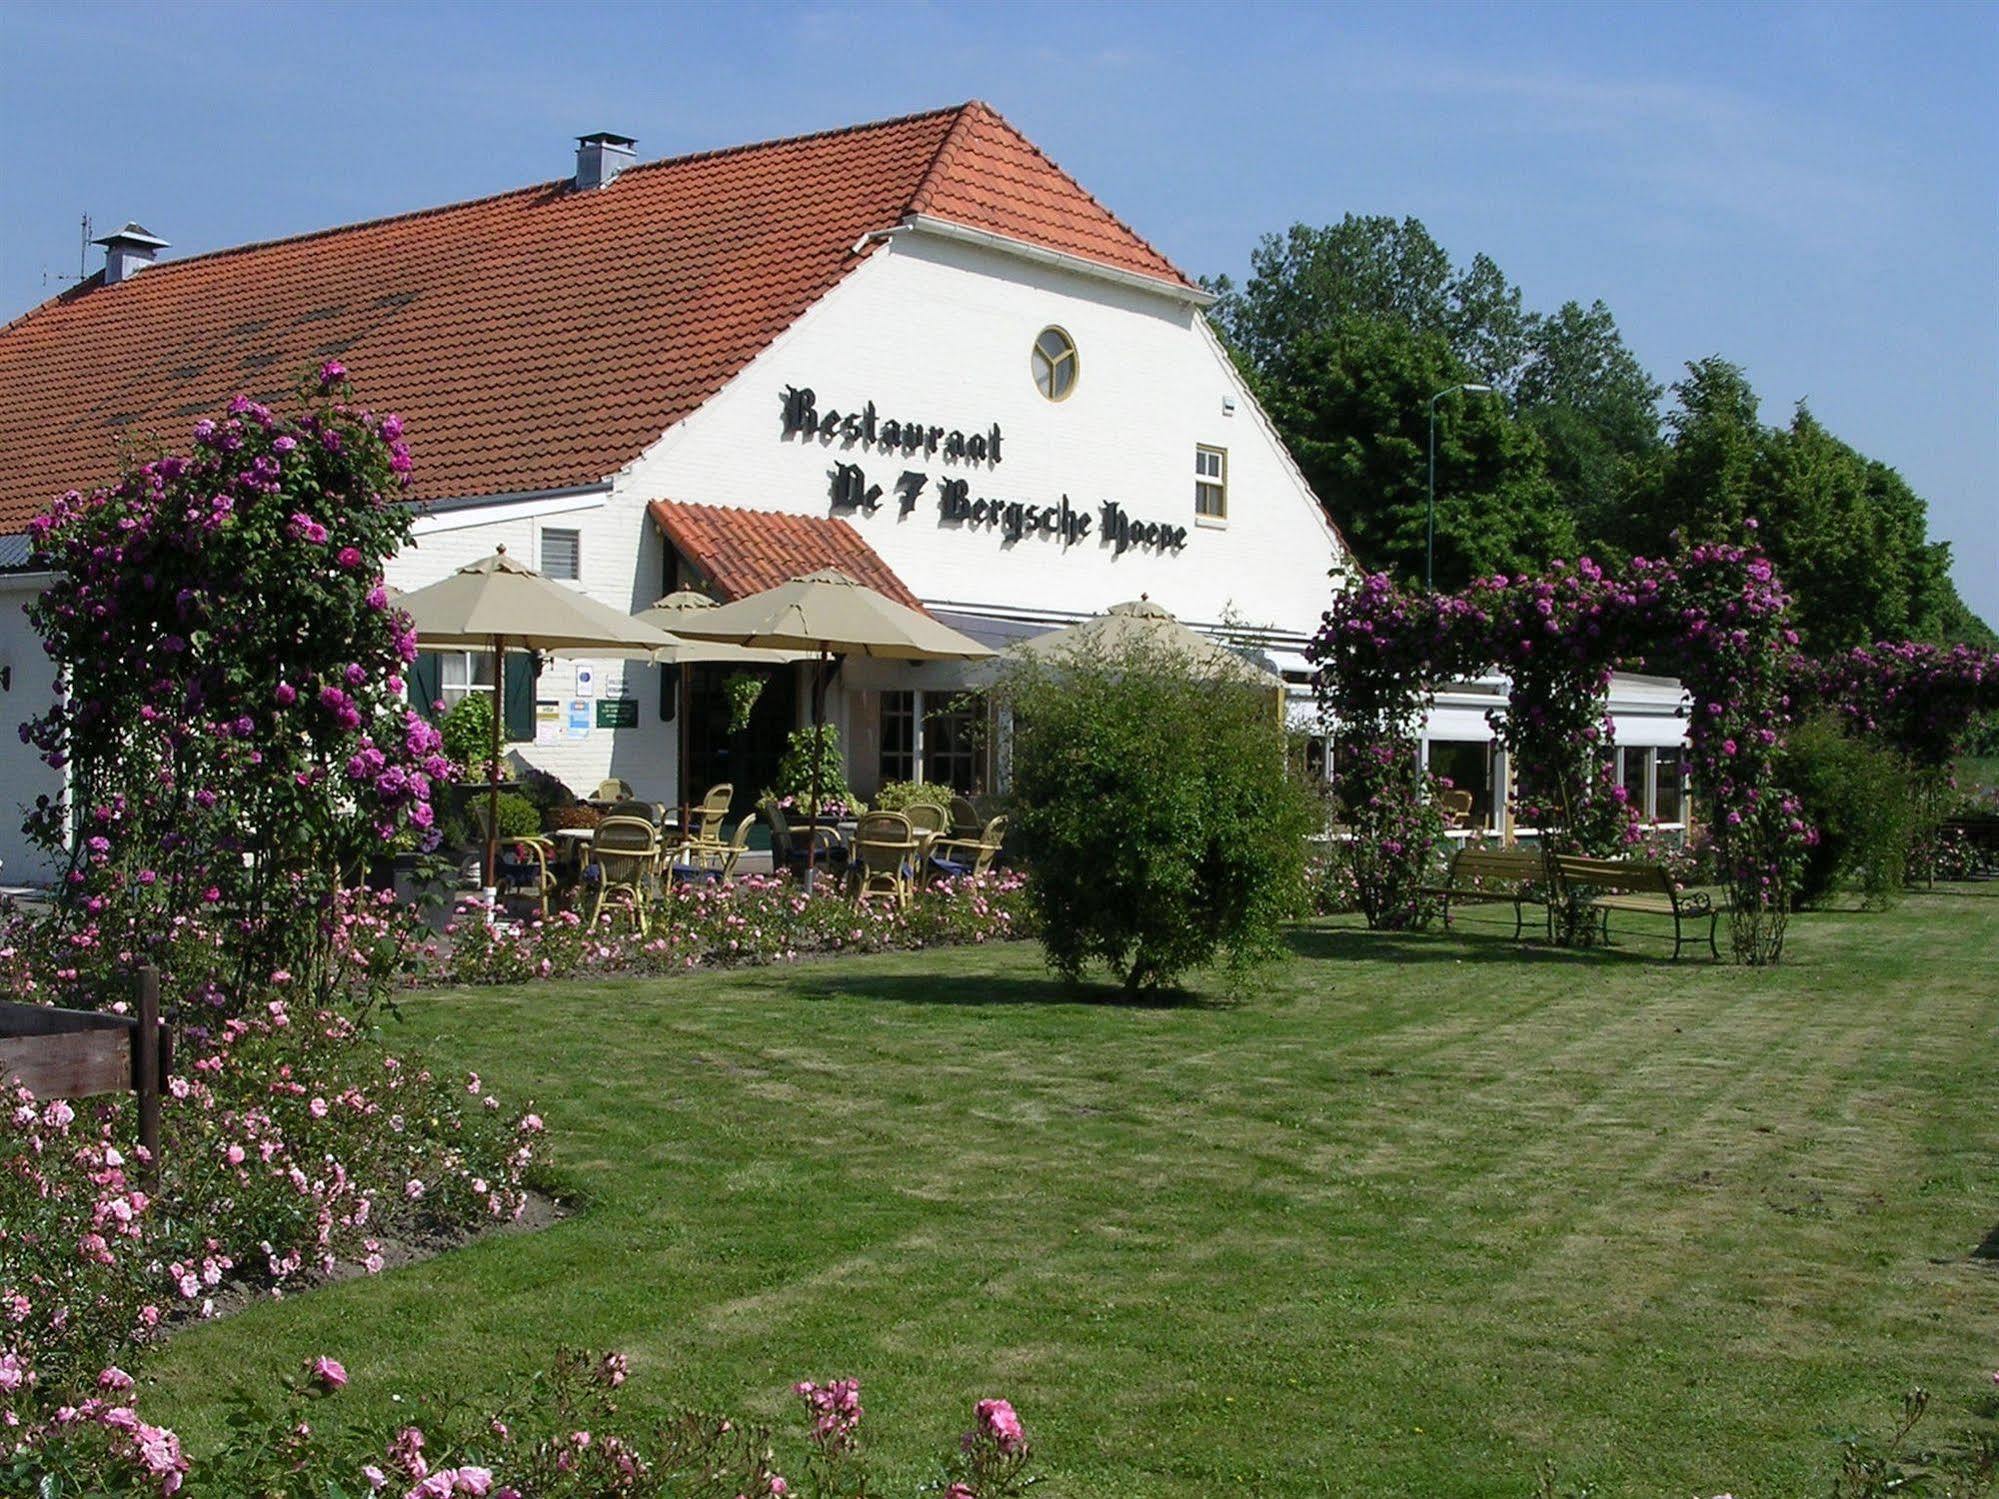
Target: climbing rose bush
<point>233,725</point>
<point>291,1146</point>
<point>560,1435</point>
<point>1713,615</point>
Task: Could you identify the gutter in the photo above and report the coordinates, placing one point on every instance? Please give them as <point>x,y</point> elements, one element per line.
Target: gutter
<point>525,496</point>
<point>1006,244</point>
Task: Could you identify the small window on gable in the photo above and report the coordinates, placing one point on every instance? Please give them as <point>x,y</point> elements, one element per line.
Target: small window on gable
<point>1211,484</point>
<point>562,555</point>
<point>1055,364</point>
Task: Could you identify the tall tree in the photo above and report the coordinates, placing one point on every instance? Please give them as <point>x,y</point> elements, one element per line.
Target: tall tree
<point>1353,403</point>
<point>1372,267</point>
<point>1707,488</point>
<point>1597,412</point>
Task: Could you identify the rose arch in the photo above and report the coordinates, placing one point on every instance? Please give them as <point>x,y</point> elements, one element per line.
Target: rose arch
<point>1715,616</point>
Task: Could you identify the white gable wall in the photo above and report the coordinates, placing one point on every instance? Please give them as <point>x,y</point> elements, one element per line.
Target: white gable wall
<point>941,331</point>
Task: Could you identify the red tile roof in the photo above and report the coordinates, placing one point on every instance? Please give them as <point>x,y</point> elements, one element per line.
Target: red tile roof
<point>741,552</point>
<point>535,340</point>
<point>990,176</point>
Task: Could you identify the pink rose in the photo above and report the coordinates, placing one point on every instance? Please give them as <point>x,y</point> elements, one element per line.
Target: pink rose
<point>328,1372</point>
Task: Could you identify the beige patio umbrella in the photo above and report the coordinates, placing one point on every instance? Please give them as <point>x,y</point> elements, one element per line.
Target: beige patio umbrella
<point>1141,626</point>
<point>671,614</point>
<point>497,602</point>
<point>829,613</point>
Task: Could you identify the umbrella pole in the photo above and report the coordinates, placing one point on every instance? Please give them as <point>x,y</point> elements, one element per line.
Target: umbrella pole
<point>686,734</point>
<point>818,747</point>
<point>493,778</point>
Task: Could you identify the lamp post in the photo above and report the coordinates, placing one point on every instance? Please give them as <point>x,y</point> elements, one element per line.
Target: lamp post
<point>1430,523</point>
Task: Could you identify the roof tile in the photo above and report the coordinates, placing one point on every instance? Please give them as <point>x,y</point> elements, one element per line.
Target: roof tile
<point>741,552</point>
<point>539,339</point>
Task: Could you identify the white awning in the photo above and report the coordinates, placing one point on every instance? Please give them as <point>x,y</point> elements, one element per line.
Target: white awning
<point>1657,729</point>
<point>1457,723</point>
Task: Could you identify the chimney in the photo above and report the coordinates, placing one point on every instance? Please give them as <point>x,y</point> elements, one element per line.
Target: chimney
<point>600,157</point>
<point>128,251</point>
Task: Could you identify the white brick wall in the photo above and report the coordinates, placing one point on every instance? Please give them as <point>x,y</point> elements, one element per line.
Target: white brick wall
<point>23,777</point>
<point>943,331</point>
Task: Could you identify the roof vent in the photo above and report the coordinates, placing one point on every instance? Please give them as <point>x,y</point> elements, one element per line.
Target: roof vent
<point>600,157</point>
<point>128,251</point>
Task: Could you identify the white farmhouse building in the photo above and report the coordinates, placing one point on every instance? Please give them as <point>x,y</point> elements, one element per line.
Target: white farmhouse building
<point>915,349</point>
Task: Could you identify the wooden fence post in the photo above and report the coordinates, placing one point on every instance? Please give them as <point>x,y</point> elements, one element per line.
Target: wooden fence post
<point>146,1070</point>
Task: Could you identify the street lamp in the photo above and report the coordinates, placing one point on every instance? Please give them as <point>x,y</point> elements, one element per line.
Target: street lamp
<point>1430,525</point>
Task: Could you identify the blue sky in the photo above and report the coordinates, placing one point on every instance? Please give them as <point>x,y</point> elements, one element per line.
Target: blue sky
<point>1812,191</point>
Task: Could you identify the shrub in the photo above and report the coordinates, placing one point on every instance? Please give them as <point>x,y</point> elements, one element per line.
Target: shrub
<point>794,771</point>
<point>517,817</point>
<point>468,734</point>
<point>1857,798</point>
<point>900,796</point>
<point>1157,814</point>
<point>571,817</point>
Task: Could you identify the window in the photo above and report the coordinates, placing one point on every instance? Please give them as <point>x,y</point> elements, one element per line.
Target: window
<point>462,672</point>
<point>951,741</point>
<point>1211,483</point>
<point>562,555</point>
<point>1670,802</point>
<point>1637,772</point>
<point>1055,365</point>
<point>1467,765</point>
<point>898,739</point>
<point>932,737</point>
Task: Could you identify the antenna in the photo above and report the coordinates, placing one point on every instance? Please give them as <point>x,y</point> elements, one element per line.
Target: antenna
<point>82,259</point>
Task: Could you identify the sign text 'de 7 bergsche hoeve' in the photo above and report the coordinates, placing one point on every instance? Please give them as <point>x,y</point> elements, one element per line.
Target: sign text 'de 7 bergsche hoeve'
<point>1012,520</point>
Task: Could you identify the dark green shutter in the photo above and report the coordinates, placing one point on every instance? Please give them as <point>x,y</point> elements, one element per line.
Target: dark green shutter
<point>519,723</point>
<point>426,680</point>
<point>669,692</point>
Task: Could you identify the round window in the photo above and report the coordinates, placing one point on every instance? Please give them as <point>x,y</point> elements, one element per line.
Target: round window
<point>1054,364</point>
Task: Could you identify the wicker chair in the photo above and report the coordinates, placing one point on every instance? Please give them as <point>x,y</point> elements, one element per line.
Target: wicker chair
<point>625,860</point>
<point>927,817</point>
<point>525,869</point>
<point>652,812</point>
<point>1456,807</point>
<point>965,819</point>
<point>612,790</point>
<point>956,858</point>
<point>787,849</point>
<point>712,812</point>
<point>884,849</point>
<point>711,862</point>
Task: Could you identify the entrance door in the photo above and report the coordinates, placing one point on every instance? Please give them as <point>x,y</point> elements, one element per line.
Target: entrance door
<point>748,759</point>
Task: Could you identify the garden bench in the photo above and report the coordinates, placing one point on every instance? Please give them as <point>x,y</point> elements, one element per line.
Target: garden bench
<point>1644,889</point>
<point>1474,872</point>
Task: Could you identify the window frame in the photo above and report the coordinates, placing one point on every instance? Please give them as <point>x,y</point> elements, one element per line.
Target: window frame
<point>900,751</point>
<point>468,662</point>
<point>1218,483</point>
<point>576,553</point>
<point>955,749</point>
<point>1071,355</point>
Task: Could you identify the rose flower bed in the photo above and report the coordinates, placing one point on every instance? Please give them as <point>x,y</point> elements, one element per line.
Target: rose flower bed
<point>561,1436</point>
<point>292,1147</point>
<point>753,919</point>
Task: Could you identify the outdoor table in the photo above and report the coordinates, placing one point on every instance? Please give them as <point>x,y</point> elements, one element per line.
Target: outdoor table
<point>574,844</point>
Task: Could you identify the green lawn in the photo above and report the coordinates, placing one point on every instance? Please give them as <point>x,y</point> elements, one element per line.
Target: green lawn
<point>1418,1214</point>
